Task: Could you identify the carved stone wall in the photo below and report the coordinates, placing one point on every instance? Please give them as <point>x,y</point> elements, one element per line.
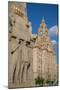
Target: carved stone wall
<point>30,55</point>
<point>44,57</point>
<point>20,49</point>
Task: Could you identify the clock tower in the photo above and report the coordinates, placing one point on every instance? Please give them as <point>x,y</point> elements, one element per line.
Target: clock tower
<point>44,57</point>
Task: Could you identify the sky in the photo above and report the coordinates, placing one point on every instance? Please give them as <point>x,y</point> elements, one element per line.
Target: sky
<point>35,13</point>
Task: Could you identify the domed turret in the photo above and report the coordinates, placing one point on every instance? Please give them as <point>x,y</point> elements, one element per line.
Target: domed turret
<point>43,28</point>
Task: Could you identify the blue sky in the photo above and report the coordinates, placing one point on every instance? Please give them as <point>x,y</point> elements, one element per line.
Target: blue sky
<point>36,12</point>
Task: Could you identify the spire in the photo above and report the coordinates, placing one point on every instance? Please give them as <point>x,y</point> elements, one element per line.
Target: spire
<point>43,19</point>
<point>43,28</point>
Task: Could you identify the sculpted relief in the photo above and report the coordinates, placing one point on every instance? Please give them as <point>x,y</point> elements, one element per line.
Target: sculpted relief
<point>31,57</point>
<point>20,56</point>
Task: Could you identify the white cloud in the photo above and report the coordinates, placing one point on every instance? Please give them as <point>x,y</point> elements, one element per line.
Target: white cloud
<point>53,31</point>
<point>54,44</point>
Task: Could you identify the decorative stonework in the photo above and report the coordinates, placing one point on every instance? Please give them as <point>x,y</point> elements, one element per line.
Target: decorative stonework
<point>17,11</point>
<point>44,55</point>
<point>20,50</point>
<point>43,28</point>
<point>30,55</point>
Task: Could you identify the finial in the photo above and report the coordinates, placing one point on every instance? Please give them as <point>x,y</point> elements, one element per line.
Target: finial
<point>43,19</point>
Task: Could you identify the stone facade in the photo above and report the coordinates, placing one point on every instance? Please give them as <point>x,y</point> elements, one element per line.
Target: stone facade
<point>20,50</point>
<point>29,55</point>
<point>44,57</point>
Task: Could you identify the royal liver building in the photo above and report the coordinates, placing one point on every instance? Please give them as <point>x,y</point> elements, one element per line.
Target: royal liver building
<point>32,59</point>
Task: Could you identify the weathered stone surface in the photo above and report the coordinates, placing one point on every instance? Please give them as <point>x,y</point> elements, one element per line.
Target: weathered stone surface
<point>44,57</point>
<point>30,55</point>
<point>20,52</point>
